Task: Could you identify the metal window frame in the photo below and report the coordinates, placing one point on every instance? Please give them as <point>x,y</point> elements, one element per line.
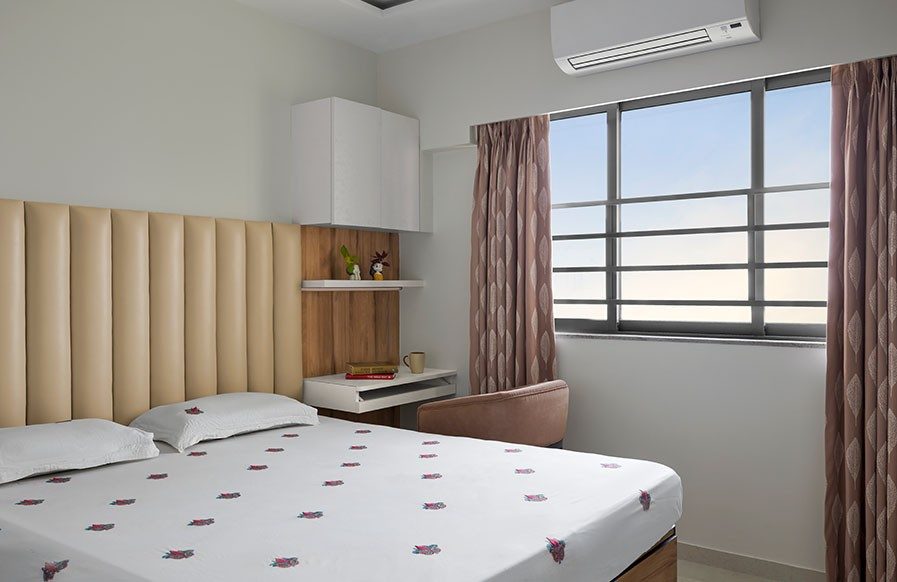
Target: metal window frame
<point>695,267</point>
<point>612,216</point>
<point>751,228</point>
<point>693,195</point>
<point>754,227</point>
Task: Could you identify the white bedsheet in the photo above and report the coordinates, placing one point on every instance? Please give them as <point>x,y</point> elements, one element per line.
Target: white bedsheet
<point>371,489</point>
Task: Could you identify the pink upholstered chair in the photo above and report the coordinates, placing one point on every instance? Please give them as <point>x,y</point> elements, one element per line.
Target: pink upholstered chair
<point>532,415</point>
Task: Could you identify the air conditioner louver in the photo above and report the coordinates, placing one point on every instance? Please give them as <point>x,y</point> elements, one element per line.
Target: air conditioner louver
<point>640,49</point>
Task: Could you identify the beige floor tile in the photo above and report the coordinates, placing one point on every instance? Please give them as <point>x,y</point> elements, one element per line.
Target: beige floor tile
<point>694,572</point>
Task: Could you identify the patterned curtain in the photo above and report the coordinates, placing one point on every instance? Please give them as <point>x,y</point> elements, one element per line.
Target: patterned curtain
<point>511,315</point>
<point>861,379</point>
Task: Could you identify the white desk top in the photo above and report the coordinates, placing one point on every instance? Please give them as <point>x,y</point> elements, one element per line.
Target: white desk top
<point>404,376</point>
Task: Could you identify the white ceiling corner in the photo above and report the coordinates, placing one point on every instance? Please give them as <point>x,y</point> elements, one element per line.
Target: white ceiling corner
<point>378,30</point>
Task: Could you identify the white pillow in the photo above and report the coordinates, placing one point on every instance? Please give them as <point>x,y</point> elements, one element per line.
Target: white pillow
<point>216,417</point>
<point>79,444</point>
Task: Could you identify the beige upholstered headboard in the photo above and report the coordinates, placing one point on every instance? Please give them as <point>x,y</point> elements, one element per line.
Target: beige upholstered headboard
<point>105,313</point>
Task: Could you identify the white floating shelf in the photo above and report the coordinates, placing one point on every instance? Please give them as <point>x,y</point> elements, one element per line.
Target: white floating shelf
<point>358,396</point>
<point>347,285</point>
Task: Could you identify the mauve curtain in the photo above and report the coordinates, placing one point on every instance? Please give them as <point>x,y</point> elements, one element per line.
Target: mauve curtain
<point>861,378</point>
<point>511,315</point>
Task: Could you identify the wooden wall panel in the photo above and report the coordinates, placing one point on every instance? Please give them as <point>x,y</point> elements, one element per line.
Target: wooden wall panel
<point>386,326</point>
<point>317,334</point>
<point>321,258</point>
<point>342,326</point>
<point>317,247</point>
<point>354,334</point>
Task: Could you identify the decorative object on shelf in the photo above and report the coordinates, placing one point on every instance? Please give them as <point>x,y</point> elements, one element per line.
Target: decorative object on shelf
<point>351,261</point>
<point>371,376</point>
<point>417,361</point>
<point>358,368</point>
<point>378,263</point>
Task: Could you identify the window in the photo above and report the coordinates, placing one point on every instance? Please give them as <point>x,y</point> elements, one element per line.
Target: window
<point>703,213</point>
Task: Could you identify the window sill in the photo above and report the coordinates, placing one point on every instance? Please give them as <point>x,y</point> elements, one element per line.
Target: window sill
<point>737,341</point>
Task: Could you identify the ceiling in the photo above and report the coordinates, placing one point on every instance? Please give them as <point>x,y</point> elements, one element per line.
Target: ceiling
<point>382,30</point>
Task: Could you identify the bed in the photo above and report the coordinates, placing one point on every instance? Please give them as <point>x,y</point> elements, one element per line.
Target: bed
<point>341,501</point>
<point>128,310</point>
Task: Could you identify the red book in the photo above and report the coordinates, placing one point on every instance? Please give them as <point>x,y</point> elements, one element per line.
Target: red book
<point>370,376</point>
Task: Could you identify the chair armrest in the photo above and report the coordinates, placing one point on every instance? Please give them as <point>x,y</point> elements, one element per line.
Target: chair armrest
<point>532,415</point>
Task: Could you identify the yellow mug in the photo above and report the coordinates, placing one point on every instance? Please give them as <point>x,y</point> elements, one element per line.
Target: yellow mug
<point>416,361</point>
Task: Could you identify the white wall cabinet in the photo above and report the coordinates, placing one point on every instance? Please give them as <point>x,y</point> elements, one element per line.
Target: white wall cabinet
<point>400,172</point>
<point>355,165</point>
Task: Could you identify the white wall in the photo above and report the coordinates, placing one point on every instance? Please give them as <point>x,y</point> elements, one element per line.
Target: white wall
<point>506,70</point>
<point>435,319</point>
<point>166,105</point>
<point>742,424</point>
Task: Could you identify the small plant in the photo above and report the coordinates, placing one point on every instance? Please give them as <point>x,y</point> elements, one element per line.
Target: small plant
<point>352,268</point>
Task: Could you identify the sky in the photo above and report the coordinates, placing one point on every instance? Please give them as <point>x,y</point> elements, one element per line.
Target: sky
<point>693,147</point>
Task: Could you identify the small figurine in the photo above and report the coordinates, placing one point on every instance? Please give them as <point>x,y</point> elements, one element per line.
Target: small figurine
<point>351,261</point>
<point>378,262</point>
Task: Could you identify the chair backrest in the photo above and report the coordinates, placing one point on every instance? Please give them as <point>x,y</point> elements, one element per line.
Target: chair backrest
<point>532,415</point>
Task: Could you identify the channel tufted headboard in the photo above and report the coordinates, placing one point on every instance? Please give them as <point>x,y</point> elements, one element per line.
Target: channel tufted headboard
<point>105,313</point>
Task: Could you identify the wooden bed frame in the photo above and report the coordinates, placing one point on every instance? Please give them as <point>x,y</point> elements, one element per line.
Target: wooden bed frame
<point>656,565</point>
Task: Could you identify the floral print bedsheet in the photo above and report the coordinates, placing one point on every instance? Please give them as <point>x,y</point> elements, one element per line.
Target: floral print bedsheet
<point>339,501</point>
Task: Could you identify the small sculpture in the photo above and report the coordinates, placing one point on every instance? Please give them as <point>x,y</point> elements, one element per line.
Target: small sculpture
<point>378,262</point>
<point>351,261</point>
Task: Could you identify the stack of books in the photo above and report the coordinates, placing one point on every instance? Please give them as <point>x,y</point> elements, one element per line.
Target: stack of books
<point>371,371</point>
